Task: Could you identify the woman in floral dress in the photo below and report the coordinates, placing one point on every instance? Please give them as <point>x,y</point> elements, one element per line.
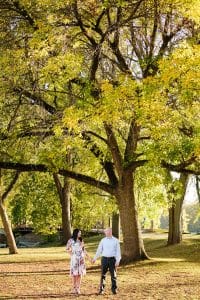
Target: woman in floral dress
<point>75,246</point>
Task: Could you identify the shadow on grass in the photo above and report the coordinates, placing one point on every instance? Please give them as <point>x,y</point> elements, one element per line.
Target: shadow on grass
<point>47,296</point>
<point>91,269</point>
<point>156,262</point>
<point>27,273</point>
<point>32,262</point>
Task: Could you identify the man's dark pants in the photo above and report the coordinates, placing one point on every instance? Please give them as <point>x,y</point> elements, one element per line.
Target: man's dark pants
<point>108,263</point>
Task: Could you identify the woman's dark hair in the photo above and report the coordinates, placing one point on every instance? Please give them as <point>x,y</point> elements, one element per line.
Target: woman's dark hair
<point>75,235</point>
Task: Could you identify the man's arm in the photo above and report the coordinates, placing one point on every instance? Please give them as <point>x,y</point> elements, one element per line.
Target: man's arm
<point>99,251</point>
<point>118,254</point>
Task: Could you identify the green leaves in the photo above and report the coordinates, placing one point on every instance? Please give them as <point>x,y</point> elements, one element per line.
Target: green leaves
<point>90,202</point>
<point>66,69</point>
<point>36,204</point>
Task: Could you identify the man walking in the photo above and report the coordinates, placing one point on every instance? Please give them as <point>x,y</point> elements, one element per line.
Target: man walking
<point>109,249</point>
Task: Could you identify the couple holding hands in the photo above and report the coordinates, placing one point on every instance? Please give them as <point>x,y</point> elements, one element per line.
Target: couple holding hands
<point>108,249</point>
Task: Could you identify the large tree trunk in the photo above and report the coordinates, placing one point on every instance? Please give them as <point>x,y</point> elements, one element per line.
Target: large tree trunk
<point>175,212</point>
<point>198,187</point>
<point>122,179</point>
<point>64,196</point>
<point>133,246</point>
<point>116,225</point>
<point>66,212</point>
<point>175,230</point>
<point>6,224</point>
<point>8,230</point>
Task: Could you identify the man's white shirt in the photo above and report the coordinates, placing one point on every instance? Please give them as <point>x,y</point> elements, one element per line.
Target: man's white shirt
<point>109,247</point>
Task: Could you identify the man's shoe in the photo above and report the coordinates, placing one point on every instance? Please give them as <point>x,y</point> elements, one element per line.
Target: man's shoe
<point>114,292</point>
<point>101,292</point>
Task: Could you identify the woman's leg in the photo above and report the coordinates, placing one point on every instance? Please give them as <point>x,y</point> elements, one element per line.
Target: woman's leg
<point>74,283</point>
<point>78,283</point>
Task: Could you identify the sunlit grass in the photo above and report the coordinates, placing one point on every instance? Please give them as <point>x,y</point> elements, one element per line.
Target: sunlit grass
<point>34,254</point>
<point>187,250</point>
<point>157,249</point>
<point>173,272</point>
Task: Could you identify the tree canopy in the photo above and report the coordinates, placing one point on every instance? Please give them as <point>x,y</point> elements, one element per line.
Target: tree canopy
<point>115,83</point>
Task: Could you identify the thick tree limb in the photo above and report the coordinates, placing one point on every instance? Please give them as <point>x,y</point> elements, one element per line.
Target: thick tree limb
<point>182,167</point>
<point>81,24</point>
<point>42,168</point>
<point>16,7</point>
<point>135,164</point>
<point>36,99</point>
<point>96,135</point>
<point>39,133</point>
<point>58,184</point>
<point>132,140</point>
<point>107,165</point>
<point>113,146</point>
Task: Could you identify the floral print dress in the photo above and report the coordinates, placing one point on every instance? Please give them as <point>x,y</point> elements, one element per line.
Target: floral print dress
<point>77,263</point>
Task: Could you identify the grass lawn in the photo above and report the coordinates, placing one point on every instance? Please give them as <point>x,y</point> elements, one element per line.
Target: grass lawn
<point>42,273</point>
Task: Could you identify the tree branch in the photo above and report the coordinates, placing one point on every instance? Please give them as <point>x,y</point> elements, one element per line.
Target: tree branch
<point>131,143</point>
<point>39,133</point>
<point>10,186</point>
<point>107,165</point>
<point>113,146</point>
<point>135,164</point>
<point>36,99</point>
<point>58,184</point>
<point>181,168</point>
<point>96,135</point>
<point>15,6</point>
<point>81,25</point>
<point>42,168</point>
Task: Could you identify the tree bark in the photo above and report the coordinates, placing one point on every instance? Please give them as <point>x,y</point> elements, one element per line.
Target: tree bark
<point>116,225</point>
<point>152,226</point>
<point>198,187</point>
<point>175,213</point>
<point>5,220</point>
<point>133,246</point>
<point>71,174</point>
<point>8,230</point>
<point>64,196</point>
